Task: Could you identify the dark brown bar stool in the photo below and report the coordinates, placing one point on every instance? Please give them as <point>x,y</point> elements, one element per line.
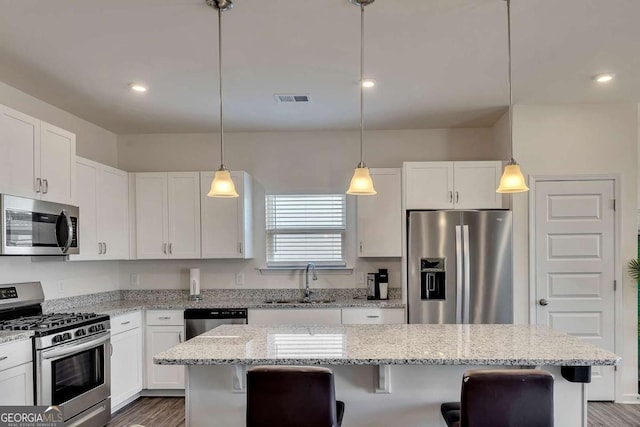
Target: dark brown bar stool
<point>502,398</point>
<point>292,396</point>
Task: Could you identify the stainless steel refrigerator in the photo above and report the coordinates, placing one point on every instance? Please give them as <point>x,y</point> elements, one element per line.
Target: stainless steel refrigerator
<point>460,267</point>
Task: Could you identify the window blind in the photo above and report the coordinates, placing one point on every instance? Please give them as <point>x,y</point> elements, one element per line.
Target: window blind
<point>306,346</point>
<point>305,228</point>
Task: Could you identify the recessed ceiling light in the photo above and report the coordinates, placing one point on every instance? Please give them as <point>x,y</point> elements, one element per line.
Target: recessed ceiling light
<point>367,83</point>
<point>604,77</point>
<point>138,87</point>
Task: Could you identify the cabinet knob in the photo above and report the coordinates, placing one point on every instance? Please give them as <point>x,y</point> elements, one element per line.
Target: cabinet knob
<point>543,302</point>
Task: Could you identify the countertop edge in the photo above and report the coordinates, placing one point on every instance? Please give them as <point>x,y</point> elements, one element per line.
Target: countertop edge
<point>11,336</point>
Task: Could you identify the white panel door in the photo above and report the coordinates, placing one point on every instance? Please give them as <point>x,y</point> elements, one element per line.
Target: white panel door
<point>159,339</point>
<point>87,173</point>
<point>113,213</point>
<point>57,164</point>
<point>151,215</point>
<point>379,221</point>
<point>475,185</point>
<point>222,220</point>
<point>574,266</point>
<point>126,365</point>
<point>428,185</point>
<point>19,153</point>
<point>184,214</point>
<point>16,385</point>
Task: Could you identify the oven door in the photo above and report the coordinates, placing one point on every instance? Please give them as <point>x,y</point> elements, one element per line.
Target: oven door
<point>75,376</point>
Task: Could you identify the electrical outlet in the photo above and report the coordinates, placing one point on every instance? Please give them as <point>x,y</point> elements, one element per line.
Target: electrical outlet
<point>239,279</point>
<point>360,277</point>
<point>60,287</point>
<point>134,280</point>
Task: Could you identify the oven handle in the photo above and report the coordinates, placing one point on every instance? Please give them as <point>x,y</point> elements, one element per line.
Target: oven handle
<point>75,347</point>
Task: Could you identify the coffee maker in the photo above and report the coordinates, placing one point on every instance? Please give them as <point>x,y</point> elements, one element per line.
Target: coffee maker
<point>378,285</point>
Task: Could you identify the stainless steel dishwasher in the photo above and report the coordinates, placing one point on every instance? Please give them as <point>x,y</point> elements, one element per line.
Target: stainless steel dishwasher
<point>200,320</point>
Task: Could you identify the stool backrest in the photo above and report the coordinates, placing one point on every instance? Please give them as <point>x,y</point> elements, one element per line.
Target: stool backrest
<point>290,396</point>
<point>507,398</point>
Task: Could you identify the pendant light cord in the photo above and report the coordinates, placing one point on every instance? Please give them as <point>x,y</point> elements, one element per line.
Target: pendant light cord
<point>361,87</point>
<point>510,82</point>
<point>221,104</point>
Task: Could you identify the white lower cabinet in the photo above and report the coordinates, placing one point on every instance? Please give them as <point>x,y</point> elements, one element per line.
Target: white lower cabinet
<point>164,329</point>
<point>16,373</point>
<point>373,316</point>
<point>295,316</point>
<point>126,360</point>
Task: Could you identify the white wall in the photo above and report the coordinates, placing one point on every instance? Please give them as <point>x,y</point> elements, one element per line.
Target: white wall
<point>288,162</point>
<point>575,140</point>
<point>92,142</point>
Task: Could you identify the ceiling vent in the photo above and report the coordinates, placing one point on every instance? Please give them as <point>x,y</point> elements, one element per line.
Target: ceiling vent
<point>292,98</point>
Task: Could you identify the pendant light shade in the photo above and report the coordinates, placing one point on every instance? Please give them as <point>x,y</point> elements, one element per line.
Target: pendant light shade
<point>361,182</point>
<point>222,184</point>
<point>512,180</point>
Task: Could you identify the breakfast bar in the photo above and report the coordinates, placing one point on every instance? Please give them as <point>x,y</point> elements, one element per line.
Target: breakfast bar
<point>386,374</point>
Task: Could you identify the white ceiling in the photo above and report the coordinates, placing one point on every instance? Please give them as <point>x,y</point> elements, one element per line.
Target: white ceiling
<point>438,63</point>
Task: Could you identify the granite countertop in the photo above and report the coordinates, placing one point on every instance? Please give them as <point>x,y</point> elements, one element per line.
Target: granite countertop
<point>8,336</point>
<point>498,345</point>
<point>115,308</point>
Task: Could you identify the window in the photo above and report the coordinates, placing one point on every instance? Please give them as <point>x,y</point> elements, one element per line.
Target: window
<point>305,228</point>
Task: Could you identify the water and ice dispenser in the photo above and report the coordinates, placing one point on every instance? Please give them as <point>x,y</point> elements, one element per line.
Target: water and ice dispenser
<point>433,279</point>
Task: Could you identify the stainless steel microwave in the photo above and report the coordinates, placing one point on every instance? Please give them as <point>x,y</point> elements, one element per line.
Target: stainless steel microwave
<point>38,227</point>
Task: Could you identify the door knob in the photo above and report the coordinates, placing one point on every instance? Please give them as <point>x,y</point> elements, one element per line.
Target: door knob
<point>543,302</point>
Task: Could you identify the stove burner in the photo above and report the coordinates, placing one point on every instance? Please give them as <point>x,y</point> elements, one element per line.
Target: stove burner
<point>45,322</point>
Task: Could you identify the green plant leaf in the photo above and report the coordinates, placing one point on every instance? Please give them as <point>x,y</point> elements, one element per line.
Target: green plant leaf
<point>634,268</point>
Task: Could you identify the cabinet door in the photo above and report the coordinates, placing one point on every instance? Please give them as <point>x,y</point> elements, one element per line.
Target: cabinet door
<point>380,217</point>
<point>19,153</point>
<point>476,184</point>
<point>428,185</point>
<point>126,366</point>
<point>295,316</point>
<point>152,219</point>
<point>184,214</point>
<point>87,173</point>
<point>16,385</point>
<point>57,164</point>
<point>159,339</point>
<point>224,229</point>
<point>372,316</point>
<point>113,213</point>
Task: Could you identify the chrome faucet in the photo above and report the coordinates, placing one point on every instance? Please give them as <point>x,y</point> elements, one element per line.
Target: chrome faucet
<point>307,291</point>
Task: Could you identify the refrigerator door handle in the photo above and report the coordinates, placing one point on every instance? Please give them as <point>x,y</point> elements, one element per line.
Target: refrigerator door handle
<point>459,272</point>
<point>467,270</point>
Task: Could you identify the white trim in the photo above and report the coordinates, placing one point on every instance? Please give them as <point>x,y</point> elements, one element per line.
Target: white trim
<point>618,269</point>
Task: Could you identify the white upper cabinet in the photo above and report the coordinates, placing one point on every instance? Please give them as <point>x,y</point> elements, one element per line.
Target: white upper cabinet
<point>168,215</point>
<point>379,222</point>
<point>452,185</point>
<point>37,160</point>
<point>103,198</point>
<point>227,223</point>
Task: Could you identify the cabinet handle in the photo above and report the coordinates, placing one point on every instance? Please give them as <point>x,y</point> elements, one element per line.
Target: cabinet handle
<point>170,248</point>
<point>164,248</point>
<point>38,185</point>
<point>450,196</point>
<point>457,197</point>
<point>180,336</point>
<point>105,247</point>
<point>3,358</point>
<point>373,317</point>
<point>126,323</point>
<point>164,317</point>
<point>240,247</point>
<point>111,349</point>
<point>360,247</point>
<point>46,186</point>
<point>99,248</point>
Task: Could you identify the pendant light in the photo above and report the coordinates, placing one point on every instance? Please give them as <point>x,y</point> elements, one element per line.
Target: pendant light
<point>361,183</point>
<point>222,184</point>
<point>512,180</point>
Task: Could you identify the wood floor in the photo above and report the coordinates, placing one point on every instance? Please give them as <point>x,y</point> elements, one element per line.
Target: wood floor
<point>169,412</point>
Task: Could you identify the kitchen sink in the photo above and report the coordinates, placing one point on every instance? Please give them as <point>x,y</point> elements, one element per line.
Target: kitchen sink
<point>300,301</point>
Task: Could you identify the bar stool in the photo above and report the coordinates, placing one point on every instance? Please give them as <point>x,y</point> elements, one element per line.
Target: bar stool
<point>292,396</point>
<point>502,398</point>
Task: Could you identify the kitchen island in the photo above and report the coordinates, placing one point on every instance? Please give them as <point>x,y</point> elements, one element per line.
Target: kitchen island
<point>386,374</point>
